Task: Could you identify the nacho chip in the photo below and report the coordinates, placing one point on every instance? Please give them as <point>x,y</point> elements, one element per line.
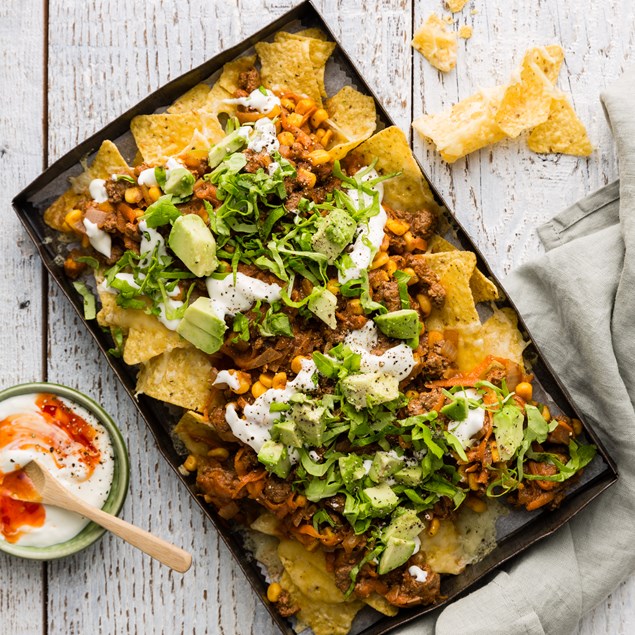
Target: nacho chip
<point>193,99</point>
<point>436,43</point>
<point>228,79</point>
<point>527,100</point>
<point>353,118</point>
<point>319,52</point>
<point>196,433</point>
<point>483,289</point>
<point>563,132</point>
<point>409,191</point>
<point>454,269</point>
<point>322,605</point>
<point>165,135</point>
<point>466,127</point>
<point>315,33</point>
<point>287,66</point>
<point>498,336</point>
<point>381,604</point>
<point>180,377</point>
<point>455,5</point>
<point>108,161</point>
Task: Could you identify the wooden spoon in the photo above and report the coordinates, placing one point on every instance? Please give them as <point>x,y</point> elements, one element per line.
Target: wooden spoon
<point>52,492</point>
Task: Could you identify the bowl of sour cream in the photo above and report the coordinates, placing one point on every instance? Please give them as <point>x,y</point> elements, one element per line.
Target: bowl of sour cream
<point>80,445</point>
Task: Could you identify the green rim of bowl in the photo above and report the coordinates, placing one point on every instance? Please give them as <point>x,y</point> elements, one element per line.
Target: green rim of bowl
<point>121,474</point>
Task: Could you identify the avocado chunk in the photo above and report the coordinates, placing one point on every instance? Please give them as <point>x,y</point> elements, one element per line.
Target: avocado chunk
<point>396,553</point>
<point>334,232</point>
<point>384,465</point>
<point>286,432</point>
<point>369,389</point>
<point>381,498</point>
<point>308,420</point>
<point>322,305</point>
<point>180,182</point>
<point>351,468</point>
<point>402,325</point>
<point>410,476</point>
<point>201,326</point>
<point>192,241</point>
<point>407,526</point>
<point>231,143</point>
<point>275,458</point>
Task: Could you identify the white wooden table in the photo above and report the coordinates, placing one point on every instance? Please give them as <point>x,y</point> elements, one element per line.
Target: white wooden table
<point>67,67</point>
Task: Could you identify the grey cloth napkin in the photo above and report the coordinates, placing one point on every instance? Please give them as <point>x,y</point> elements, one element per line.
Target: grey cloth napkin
<point>579,302</point>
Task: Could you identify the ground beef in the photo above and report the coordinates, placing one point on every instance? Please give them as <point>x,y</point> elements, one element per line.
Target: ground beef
<point>219,483</point>
<point>285,605</point>
<point>347,319</point>
<point>410,592</point>
<point>256,160</point>
<point>428,280</point>
<point>206,191</point>
<point>249,80</point>
<point>433,362</point>
<point>116,190</point>
<point>388,294</point>
<point>423,222</point>
<point>276,491</point>
<point>424,402</point>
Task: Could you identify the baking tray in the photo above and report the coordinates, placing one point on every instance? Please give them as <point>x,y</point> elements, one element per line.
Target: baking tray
<point>516,532</point>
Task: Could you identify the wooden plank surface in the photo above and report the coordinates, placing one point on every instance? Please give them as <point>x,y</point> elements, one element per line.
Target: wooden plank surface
<point>103,56</point>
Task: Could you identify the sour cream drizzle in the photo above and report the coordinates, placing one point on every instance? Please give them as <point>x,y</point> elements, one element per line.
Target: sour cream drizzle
<point>263,136</point>
<point>97,190</point>
<point>99,239</point>
<point>71,444</point>
<point>418,573</point>
<point>262,101</point>
<point>472,424</point>
<point>230,298</point>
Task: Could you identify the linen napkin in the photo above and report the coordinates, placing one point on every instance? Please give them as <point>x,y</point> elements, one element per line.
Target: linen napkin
<point>579,302</point>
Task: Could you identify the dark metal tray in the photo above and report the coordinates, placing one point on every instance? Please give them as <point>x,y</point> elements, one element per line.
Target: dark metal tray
<point>522,530</point>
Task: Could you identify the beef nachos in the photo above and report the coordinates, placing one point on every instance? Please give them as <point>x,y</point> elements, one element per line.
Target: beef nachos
<point>277,269</point>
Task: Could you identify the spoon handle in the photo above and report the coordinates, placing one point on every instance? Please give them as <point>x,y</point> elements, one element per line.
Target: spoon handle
<point>159,549</point>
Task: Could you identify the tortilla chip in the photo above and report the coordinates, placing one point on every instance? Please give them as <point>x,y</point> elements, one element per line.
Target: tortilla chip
<point>455,5</point>
<point>193,99</point>
<point>483,289</point>
<point>465,32</point>
<point>319,52</point>
<point>228,79</point>
<point>322,605</point>
<point>499,336</point>
<point>409,191</point>
<point>563,132</point>
<point>146,336</point>
<point>527,100</point>
<point>180,377</point>
<point>381,604</point>
<point>466,127</point>
<point>287,66</point>
<point>165,135</point>
<point>315,33</point>
<point>454,269</point>
<point>352,116</point>
<point>108,161</point>
<point>196,433</point>
<point>436,43</point>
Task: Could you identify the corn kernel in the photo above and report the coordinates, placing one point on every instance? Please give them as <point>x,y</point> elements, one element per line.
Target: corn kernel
<point>412,394</point>
<point>391,267</point>
<point>73,217</point>
<point>385,243</point>
<point>266,379</point>
<point>190,463</point>
<point>286,138</point>
<point>154,193</point>
<point>356,306</point>
<point>279,381</point>
<point>434,337</point>
<point>476,504</point>
<point>244,381</point>
<point>296,363</point>
<point>295,119</point>
<point>287,104</point>
<point>300,500</point>
<point>319,117</point>
<point>414,278</point>
<point>576,424</point>
<point>132,195</point>
<point>274,591</point>
<point>333,286</point>
<point>424,304</point>
<point>397,226</point>
<point>433,529</point>
<point>379,260</point>
<point>319,157</point>
<point>258,389</point>
<point>472,480</point>
<point>328,135</point>
<point>218,453</point>
<point>524,390</point>
<point>305,106</point>
<point>546,414</point>
<point>496,457</point>
<point>307,178</point>
<point>207,498</point>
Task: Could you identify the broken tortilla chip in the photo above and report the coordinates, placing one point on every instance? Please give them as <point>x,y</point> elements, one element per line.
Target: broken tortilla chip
<point>466,127</point>
<point>527,100</point>
<point>181,377</point>
<point>455,5</point>
<point>454,269</point>
<point>196,433</point>
<point>409,190</point>
<point>319,52</point>
<point>287,66</point>
<point>436,43</point>
<point>108,161</point>
<point>352,116</point>
<point>193,99</point>
<point>164,135</point>
<point>483,289</point>
<point>498,336</point>
<point>563,132</point>
<point>465,32</point>
<point>315,33</point>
